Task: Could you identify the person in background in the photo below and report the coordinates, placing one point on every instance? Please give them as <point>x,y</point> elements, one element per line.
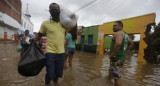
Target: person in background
<point>24,43</point>
<point>17,37</point>
<point>70,46</point>
<point>120,43</point>
<point>55,34</point>
<point>12,38</point>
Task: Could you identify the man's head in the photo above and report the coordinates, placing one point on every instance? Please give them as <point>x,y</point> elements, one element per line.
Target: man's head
<point>26,32</point>
<point>118,25</point>
<point>54,10</point>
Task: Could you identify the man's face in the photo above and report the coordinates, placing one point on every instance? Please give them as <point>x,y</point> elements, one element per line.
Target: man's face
<point>54,11</point>
<point>54,8</point>
<point>116,27</point>
<point>27,32</point>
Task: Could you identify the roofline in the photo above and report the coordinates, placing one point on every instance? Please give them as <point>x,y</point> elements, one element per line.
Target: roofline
<point>132,17</point>
<point>91,26</point>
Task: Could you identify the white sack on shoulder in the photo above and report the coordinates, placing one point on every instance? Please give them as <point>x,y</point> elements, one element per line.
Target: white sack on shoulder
<point>67,18</point>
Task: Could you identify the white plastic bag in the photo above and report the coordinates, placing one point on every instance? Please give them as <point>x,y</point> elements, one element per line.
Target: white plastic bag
<point>27,40</point>
<point>67,18</point>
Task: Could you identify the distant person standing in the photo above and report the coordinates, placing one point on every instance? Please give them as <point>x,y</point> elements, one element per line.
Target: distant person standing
<point>120,43</point>
<point>12,38</point>
<point>70,46</point>
<point>17,37</point>
<point>55,34</point>
<point>24,42</point>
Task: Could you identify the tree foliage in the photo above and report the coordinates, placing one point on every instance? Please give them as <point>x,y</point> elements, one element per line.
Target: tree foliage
<point>155,39</point>
<point>156,45</point>
<point>152,40</point>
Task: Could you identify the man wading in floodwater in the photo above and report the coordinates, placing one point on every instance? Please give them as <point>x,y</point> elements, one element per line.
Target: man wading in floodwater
<point>55,35</point>
<point>120,43</point>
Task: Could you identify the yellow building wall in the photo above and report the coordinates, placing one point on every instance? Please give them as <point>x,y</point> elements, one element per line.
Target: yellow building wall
<point>135,25</point>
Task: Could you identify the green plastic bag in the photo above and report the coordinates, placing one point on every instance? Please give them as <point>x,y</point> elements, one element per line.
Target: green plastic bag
<point>19,48</point>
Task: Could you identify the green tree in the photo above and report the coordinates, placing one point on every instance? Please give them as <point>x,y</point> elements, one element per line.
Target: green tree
<point>153,43</point>
<point>155,39</point>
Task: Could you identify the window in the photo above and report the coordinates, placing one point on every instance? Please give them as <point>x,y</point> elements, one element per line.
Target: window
<point>24,24</point>
<point>90,39</point>
<point>82,39</point>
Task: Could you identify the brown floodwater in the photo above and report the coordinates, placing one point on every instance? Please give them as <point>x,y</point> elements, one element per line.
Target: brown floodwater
<point>88,69</point>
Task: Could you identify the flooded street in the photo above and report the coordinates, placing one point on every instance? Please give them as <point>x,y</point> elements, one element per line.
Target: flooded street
<point>88,69</point>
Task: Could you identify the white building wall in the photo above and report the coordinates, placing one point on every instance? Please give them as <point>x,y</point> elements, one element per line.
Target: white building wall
<point>10,32</point>
<point>9,25</point>
<point>10,21</point>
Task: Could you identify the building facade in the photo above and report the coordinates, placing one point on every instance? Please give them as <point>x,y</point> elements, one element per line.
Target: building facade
<point>88,39</point>
<point>26,24</point>
<point>10,18</point>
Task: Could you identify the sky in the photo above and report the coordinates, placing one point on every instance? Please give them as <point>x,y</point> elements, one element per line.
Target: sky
<point>99,12</point>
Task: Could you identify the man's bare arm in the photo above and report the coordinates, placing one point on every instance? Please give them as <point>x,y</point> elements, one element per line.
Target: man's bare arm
<point>118,42</point>
<point>38,36</point>
<point>130,44</point>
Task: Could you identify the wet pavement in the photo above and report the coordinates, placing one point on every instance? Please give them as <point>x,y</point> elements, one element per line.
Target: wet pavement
<point>88,69</point>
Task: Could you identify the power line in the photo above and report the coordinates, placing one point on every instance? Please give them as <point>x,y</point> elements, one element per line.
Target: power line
<point>106,7</point>
<point>118,6</point>
<point>84,6</point>
<point>108,10</point>
<point>101,5</point>
<point>94,4</point>
<point>111,11</point>
<point>110,6</point>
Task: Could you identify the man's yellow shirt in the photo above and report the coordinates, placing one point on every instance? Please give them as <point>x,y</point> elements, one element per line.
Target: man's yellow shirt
<point>55,34</point>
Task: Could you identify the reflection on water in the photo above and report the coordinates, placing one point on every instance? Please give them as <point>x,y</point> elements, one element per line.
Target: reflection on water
<point>136,73</point>
<point>88,69</point>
